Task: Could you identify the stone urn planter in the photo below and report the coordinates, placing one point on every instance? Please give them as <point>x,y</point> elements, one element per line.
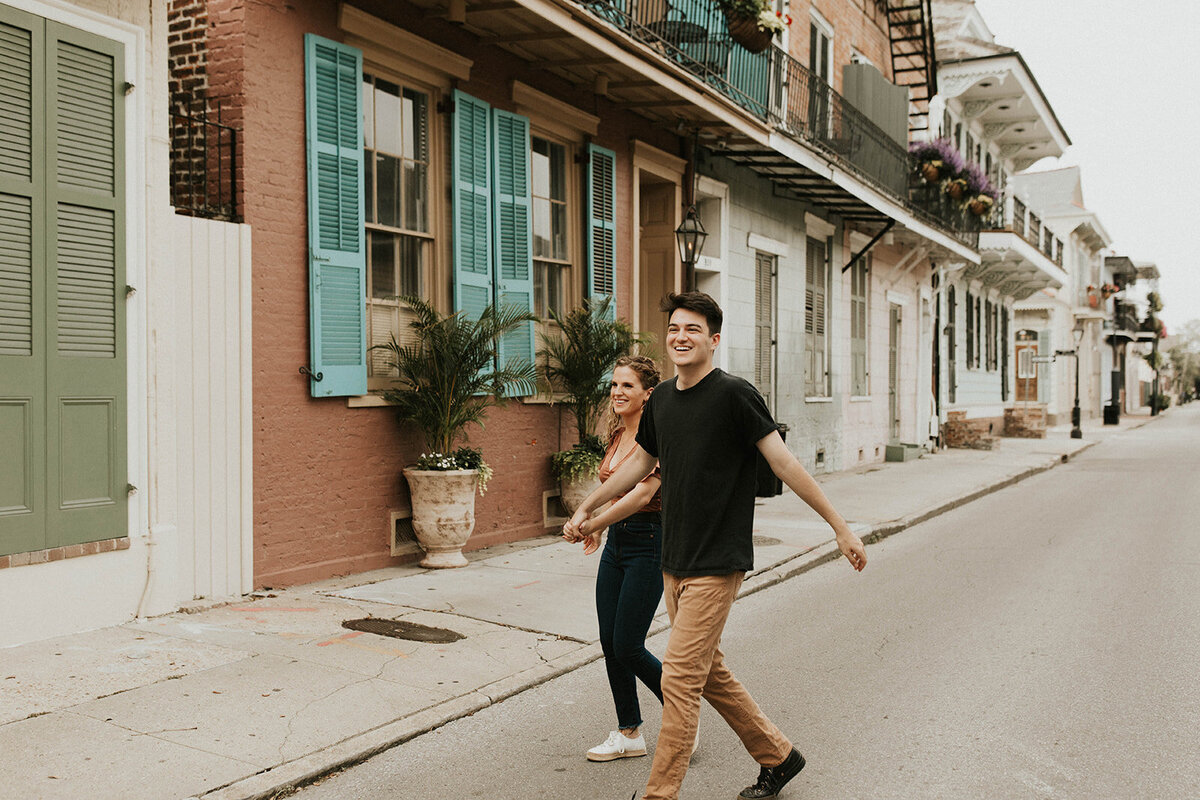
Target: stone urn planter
<point>574,492</point>
<point>443,508</point>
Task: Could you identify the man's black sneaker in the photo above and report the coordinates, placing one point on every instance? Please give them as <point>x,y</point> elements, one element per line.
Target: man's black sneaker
<point>771,780</point>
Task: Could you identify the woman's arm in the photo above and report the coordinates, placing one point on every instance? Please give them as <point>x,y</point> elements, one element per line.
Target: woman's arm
<point>638,465</point>
<point>629,504</point>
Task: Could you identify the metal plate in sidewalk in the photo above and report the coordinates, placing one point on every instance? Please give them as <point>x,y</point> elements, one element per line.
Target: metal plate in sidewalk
<point>400,629</point>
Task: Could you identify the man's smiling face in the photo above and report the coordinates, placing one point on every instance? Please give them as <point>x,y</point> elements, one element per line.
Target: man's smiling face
<point>689,344</point>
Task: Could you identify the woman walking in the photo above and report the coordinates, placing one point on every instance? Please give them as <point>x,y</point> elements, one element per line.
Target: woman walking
<point>629,581</point>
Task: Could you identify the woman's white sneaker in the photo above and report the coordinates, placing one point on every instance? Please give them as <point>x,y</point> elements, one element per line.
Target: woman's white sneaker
<point>618,745</point>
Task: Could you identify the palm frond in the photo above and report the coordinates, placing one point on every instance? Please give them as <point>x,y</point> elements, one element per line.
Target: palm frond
<point>447,378</point>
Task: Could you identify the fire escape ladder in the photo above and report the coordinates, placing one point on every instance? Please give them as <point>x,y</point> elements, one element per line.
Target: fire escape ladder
<point>910,29</point>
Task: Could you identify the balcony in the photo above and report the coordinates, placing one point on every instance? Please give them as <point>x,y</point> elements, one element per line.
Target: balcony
<point>778,90</point>
<point>1018,256</point>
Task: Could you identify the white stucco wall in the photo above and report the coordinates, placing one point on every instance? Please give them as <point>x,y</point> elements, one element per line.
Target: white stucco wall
<point>753,209</point>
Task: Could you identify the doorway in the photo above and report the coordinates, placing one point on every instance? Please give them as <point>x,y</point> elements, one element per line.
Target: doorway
<point>1026,348</point>
<point>658,271</point>
<point>764,326</point>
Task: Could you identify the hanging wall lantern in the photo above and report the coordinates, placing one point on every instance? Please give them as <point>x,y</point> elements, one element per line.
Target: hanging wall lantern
<point>690,236</point>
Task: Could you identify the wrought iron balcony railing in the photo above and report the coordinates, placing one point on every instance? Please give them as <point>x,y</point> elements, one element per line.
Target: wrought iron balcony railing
<point>203,162</point>
<point>779,90</point>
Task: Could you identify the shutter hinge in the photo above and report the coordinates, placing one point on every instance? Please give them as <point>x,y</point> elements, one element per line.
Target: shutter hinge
<point>445,106</point>
<point>130,490</point>
<point>130,290</point>
<point>128,88</point>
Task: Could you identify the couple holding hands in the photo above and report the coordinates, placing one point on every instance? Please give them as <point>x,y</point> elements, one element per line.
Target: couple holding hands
<point>677,496</point>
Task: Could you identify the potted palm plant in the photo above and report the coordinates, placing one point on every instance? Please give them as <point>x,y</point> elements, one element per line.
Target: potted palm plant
<point>578,362</point>
<point>446,380</point>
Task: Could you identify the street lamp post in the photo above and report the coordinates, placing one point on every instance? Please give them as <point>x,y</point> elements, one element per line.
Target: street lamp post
<point>1076,430</point>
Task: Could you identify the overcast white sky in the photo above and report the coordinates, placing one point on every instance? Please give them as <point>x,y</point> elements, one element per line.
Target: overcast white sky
<point>1123,80</point>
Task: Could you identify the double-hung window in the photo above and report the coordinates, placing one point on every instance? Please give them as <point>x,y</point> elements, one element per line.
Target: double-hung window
<point>551,241</point>
<point>396,167</point>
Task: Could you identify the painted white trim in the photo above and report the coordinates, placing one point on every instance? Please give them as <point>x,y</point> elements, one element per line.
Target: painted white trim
<point>825,399</point>
<point>767,245</point>
<point>817,227</point>
<point>897,298</point>
<point>658,162</point>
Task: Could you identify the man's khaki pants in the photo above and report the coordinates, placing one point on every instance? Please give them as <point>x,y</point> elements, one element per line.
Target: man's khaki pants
<point>694,667</point>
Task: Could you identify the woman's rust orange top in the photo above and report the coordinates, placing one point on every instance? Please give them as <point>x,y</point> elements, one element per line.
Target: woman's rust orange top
<point>607,468</point>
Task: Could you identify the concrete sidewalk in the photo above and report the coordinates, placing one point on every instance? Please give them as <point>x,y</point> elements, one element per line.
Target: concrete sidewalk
<point>249,699</point>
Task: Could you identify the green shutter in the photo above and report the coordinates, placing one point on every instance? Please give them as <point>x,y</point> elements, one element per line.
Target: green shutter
<point>513,230</point>
<point>22,283</point>
<point>336,249</point>
<point>602,226</point>
<point>85,322</point>
<point>472,201</point>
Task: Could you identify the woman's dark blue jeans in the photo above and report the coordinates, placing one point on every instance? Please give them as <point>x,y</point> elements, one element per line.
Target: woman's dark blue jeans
<point>628,587</point>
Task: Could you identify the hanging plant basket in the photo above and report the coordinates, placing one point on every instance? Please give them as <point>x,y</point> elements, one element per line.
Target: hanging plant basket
<point>745,31</point>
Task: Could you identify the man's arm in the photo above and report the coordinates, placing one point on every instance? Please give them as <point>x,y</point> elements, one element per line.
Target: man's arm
<point>792,472</point>
<point>638,496</point>
<point>637,466</point>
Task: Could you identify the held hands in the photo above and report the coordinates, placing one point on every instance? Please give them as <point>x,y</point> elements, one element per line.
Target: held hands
<point>581,529</point>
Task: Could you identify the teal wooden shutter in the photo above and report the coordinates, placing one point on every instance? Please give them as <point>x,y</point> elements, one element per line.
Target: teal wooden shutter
<point>22,283</point>
<point>86,480</point>
<point>602,226</point>
<point>513,231</point>
<point>336,249</point>
<point>472,205</point>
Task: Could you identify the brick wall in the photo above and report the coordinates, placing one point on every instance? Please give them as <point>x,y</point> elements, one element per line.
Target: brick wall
<point>976,434</point>
<point>1025,422</point>
<point>327,476</point>
<point>857,25</point>
<point>204,85</point>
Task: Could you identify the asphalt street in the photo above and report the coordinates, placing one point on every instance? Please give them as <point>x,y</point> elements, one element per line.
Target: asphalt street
<point>1041,642</point>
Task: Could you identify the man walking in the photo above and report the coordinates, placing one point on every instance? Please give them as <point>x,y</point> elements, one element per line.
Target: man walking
<point>704,428</point>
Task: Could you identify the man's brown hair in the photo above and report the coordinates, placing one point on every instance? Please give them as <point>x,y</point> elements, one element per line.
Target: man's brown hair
<point>698,302</point>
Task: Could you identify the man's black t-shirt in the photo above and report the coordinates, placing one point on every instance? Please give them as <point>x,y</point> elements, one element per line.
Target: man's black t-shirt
<point>704,439</point>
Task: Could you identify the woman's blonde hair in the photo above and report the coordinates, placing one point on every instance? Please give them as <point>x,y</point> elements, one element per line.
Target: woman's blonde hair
<point>648,375</point>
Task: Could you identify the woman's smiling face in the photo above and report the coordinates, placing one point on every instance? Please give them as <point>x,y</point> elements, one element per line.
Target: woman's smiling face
<point>626,392</point>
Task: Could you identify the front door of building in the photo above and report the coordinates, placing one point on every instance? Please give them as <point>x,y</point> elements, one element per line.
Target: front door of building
<point>1027,373</point>
<point>764,327</point>
<point>656,263</point>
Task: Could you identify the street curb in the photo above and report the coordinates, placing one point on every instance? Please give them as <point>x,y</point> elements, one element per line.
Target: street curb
<point>286,779</point>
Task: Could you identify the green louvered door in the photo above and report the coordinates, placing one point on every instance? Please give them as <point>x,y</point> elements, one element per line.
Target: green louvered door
<point>336,232</point>
<point>514,246</point>
<point>62,286</point>
<point>22,284</point>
